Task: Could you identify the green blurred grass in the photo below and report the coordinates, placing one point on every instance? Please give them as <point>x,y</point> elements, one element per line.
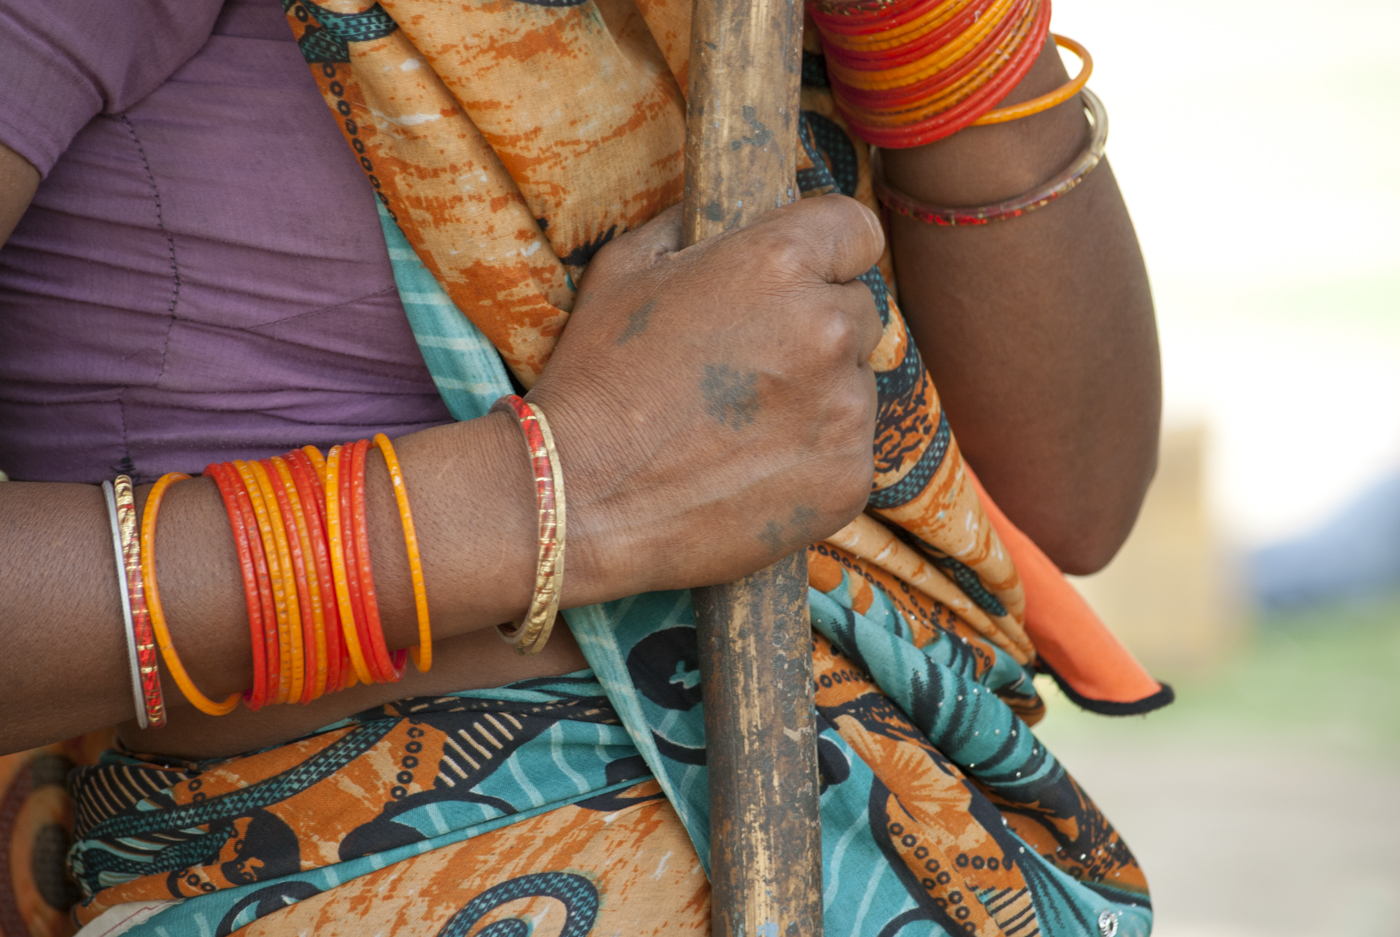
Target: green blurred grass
<point>1324,679</point>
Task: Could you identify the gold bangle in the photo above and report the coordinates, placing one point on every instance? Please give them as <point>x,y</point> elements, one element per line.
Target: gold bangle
<point>529,635</point>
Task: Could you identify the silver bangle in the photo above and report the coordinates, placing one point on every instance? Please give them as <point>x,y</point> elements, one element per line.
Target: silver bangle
<point>110,494</point>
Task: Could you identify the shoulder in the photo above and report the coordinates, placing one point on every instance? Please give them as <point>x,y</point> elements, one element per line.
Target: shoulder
<point>66,61</point>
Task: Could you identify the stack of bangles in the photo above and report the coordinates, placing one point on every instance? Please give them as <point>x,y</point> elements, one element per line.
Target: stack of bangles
<point>302,540</point>
<point>905,73</point>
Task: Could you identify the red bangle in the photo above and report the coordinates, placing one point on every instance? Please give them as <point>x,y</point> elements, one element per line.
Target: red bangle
<point>310,663</point>
<point>312,497</point>
<point>257,695</point>
<point>391,669</point>
<point>271,641</point>
<point>851,20</point>
<point>961,115</point>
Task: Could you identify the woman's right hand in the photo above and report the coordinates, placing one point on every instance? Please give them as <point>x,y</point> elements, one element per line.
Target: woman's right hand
<point>713,406</point>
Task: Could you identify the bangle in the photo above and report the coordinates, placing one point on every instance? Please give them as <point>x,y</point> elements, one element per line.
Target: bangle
<point>313,501</point>
<point>1046,101</point>
<point>340,567</point>
<point>271,643</point>
<point>146,653</point>
<point>257,696</point>
<point>313,633</point>
<point>902,129</point>
<point>279,574</point>
<point>274,592</point>
<point>318,462</point>
<point>390,668</point>
<point>529,636</point>
<point>423,653</point>
<point>148,576</point>
<point>288,582</point>
<point>110,497</point>
<point>1072,175</point>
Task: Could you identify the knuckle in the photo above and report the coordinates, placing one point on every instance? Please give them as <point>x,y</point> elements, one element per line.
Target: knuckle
<point>834,335</point>
<point>782,254</point>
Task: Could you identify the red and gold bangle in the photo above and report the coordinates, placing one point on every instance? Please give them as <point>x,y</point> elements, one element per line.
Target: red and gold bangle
<point>142,632</point>
<point>529,635</point>
<point>313,499</point>
<point>423,652</point>
<point>313,635</point>
<point>257,695</point>
<point>340,565</point>
<point>1083,164</point>
<point>276,581</point>
<point>390,667</point>
<point>149,581</point>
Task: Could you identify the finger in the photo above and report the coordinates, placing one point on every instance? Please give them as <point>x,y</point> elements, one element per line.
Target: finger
<point>832,237</point>
<point>644,246</point>
<point>858,305</point>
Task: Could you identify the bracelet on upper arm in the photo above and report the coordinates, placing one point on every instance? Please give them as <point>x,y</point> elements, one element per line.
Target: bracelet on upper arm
<point>1073,174</point>
<point>904,73</point>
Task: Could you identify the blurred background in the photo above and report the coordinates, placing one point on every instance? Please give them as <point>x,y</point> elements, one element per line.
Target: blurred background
<point>1256,143</point>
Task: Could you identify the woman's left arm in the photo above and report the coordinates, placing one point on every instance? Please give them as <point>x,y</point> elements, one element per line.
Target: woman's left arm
<point>1038,331</point>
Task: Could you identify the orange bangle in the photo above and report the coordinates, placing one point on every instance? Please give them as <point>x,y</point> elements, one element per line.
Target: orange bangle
<point>148,580</point>
<point>313,620</point>
<point>312,503</point>
<point>335,536</point>
<point>318,462</point>
<point>274,572</point>
<point>423,653</point>
<point>1046,101</point>
<point>289,583</point>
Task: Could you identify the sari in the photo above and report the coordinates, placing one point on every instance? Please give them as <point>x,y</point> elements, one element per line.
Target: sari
<point>507,141</point>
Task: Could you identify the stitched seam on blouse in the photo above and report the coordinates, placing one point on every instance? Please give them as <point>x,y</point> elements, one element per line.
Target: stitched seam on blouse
<point>169,241</point>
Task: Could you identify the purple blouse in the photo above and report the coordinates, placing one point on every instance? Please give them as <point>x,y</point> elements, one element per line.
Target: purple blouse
<point>201,275</point>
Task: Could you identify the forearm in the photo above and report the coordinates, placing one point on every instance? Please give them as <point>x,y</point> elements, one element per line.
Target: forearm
<point>66,671</point>
<point>1039,331</point>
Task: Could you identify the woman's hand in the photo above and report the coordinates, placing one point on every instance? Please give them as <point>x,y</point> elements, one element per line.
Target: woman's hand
<point>713,406</point>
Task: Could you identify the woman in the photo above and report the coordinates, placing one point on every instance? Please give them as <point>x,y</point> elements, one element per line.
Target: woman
<point>198,278</point>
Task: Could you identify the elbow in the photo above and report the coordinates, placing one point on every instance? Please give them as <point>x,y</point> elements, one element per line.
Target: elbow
<point>1089,525</point>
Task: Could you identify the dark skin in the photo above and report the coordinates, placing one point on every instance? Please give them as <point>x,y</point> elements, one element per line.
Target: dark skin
<point>694,424</point>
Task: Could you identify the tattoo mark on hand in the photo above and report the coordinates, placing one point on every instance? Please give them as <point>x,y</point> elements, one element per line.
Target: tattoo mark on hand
<point>730,397</point>
<point>637,322</point>
<point>799,526</point>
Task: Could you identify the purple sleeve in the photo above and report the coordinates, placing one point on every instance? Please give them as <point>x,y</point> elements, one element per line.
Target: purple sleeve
<point>63,62</point>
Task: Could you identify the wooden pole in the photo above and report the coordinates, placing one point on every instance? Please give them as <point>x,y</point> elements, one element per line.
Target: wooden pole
<point>755,639</point>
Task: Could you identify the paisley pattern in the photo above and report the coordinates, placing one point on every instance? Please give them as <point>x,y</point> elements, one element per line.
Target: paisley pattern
<point>532,805</point>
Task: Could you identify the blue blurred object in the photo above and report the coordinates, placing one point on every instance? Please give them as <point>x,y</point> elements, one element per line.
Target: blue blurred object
<point>1355,554</point>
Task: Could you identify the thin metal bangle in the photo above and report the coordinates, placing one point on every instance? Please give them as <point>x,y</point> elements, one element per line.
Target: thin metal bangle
<point>900,203</point>
<point>109,493</point>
